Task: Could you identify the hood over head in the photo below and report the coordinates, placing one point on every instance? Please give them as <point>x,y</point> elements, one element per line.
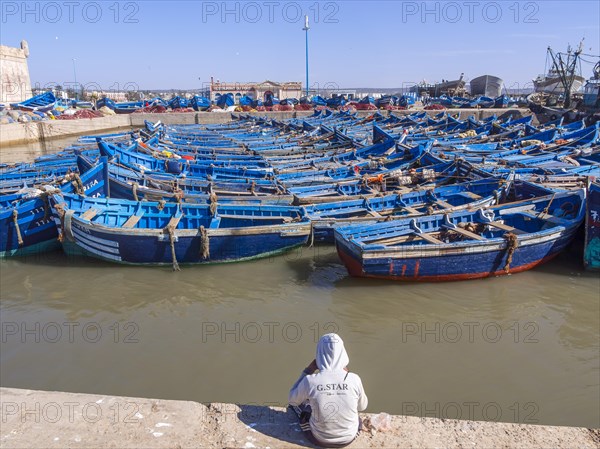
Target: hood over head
<point>331,354</point>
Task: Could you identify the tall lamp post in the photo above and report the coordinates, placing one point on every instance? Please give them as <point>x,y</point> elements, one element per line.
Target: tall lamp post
<point>305,29</point>
<point>75,76</point>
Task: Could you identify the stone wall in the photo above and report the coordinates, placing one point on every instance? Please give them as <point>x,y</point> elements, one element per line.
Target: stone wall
<point>15,85</point>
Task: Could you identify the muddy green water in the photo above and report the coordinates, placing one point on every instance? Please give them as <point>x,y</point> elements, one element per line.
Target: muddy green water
<point>523,348</point>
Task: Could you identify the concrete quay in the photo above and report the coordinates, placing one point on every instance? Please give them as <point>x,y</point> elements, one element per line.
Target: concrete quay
<point>35,419</point>
<point>22,133</point>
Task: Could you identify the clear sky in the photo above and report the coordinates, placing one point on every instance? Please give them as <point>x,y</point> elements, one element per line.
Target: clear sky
<point>181,44</point>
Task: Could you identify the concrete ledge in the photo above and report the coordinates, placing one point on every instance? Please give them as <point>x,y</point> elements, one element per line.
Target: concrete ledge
<point>18,133</point>
<point>55,420</point>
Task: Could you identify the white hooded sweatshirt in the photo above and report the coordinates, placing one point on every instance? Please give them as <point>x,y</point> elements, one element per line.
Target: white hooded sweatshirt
<point>335,395</point>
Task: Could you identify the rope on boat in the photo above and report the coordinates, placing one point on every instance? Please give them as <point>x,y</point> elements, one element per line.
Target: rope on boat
<point>79,190</point>
<point>170,229</point>
<point>252,187</point>
<point>204,243</point>
<point>135,187</point>
<point>60,211</point>
<point>161,205</point>
<point>44,198</point>
<point>179,194</point>
<point>547,208</point>
<point>15,215</point>
<point>512,242</point>
<point>213,203</point>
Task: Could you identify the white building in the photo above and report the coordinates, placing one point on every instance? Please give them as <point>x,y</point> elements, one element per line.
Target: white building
<point>15,85</point>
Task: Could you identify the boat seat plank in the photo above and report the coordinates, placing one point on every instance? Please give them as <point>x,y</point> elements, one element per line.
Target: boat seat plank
<point>466,233</point>
<point>443,204</point>
<point>546,217</point>
<point>340,211</point>
<point>429,238</point>
<point>411,210</point>
<point>254,217</point>
<point>472,195</point>
<point>132,221</point>
<point>174,221</point>
<point>504,227</point>
<point>89,214</point>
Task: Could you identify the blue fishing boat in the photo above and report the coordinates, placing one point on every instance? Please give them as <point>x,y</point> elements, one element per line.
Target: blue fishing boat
<point>225,101</point>
<point>406,101</point>
<point>318,101</point>
<point>80,104</point>
<point>591,256</point>
<point>157,101</point>
<point>326,216</point>
<point>105,102</point>
<point>40,103</point>
<point>130,184</point>
<point>245,100</point>
<point>128,107</point>
<point>26,224</point>
<point>464,245</point>
<point>157,233</point>
<point>178,103</point>
<point>336,102</point>
<point>501,101</point>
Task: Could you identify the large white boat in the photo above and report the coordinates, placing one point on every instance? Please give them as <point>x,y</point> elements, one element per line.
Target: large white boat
<point>487,85</point>
<point>562,72</point>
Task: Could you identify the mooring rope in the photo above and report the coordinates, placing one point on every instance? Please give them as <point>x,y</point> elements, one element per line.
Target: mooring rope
<point>171,231</point>
<point>79,190</point>
<point>60,210</point>
<point>161,205</point>
<point>213,203</point>
<point>44,197</point>
<point>204,243</point>
<point>512,243</point>
<point>15,215</point>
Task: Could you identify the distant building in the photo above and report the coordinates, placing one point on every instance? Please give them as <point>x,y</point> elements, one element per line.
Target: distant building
<point>15,85</point>
<point>115,96</point>
<point>256,91</point>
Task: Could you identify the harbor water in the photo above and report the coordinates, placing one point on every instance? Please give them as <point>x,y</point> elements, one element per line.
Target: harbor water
<point>521,348</point>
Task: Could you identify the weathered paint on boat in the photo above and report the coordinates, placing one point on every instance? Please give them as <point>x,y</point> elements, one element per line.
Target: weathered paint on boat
<point>591,255</point>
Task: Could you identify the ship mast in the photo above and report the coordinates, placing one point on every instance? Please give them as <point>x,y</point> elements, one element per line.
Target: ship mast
<point>565,65</point>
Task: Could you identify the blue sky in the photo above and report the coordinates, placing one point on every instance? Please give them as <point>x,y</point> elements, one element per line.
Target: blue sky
<point>160,44</point>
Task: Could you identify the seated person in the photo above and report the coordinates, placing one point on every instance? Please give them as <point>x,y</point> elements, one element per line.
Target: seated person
<point>328,402</point>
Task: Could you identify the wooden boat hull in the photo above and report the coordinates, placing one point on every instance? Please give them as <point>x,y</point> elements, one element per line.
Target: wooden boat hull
<point>431,266</point>
<point>591,256</point>
<point>462,198</point>
<point>36,225</point>
<point>411,251</point>
<point>152,247</point>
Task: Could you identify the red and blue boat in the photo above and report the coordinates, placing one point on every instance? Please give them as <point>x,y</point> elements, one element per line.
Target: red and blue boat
<point>464,245</point>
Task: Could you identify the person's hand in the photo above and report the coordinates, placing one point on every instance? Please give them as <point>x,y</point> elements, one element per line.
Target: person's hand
<point>312,367</point>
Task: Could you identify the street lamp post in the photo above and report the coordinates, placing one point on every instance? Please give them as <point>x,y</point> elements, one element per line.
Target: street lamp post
<point>75,76</point>
<point>306,28</point>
